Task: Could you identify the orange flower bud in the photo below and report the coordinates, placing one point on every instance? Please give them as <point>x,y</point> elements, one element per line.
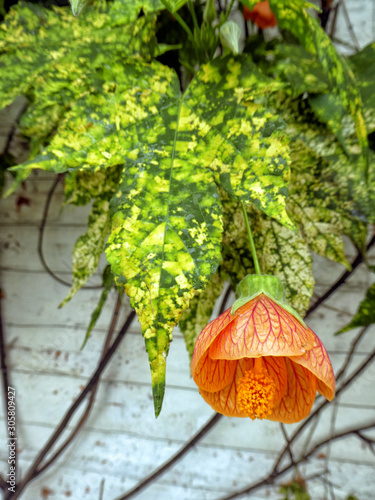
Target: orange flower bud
<point>259,360</point>
<point>261,15</point>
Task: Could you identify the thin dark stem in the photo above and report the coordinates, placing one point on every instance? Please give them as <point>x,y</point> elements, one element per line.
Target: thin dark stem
<point>270,479</point>
<point>251,239</point>
<point>41,238</point>
<point>41,232</point>
<point>175,458</point>
<point>91,401</point>
<point>314,413</point>
<point>286,437</point>
<point>333,25</point>
<point>5,380</point>
<point>369,441</point>
<point>3,483</point>
<point>64,422</point>
<point>350,26</point>
<point>356,262</point>
<point>339,435</point>
<point>3,362</point>
<point>351,352</point>
<point>223,304</point>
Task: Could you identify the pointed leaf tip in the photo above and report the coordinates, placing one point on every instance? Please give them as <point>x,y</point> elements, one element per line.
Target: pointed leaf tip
<point>158,395</point>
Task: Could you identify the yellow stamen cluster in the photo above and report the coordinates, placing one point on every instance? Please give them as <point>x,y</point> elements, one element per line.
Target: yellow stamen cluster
<point>256,392</point>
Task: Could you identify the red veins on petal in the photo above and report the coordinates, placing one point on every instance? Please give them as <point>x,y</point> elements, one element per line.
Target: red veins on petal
<point>212,374</point>
<point>262,343</point>
<point>299,395</point>
<point>262,328</point>
<point>317,361</point>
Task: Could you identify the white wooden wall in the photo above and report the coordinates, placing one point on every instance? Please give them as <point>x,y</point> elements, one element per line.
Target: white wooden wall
<point>122,442</point>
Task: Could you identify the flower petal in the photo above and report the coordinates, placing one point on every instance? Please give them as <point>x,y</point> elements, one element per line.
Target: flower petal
<point>317,361</point>
<point>277,370</point>
<point>262,328</point>
<point>208,335</point>
<point>299,396</point>
<point>213,374</point>
<point>261,15</point>
<point>225,400</point>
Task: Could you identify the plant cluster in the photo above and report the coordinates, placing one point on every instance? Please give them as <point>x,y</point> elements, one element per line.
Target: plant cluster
<point>165,117</point>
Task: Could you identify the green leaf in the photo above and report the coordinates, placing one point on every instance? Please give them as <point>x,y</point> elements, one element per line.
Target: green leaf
<point>175,5</point>
<point>312,204</point>
<point>299,67</point>
<point>82,186</point>
<point>327,178</point>
<point>328,109</point>
<point>89,247</point>
<point>365,314</point>
<point>124,11</point>
<point>296,490</point>
<point>108,281</point>
<point>55,58</point>
<point>363,65</point>
<point>294,17</point>
<point>199,312</point>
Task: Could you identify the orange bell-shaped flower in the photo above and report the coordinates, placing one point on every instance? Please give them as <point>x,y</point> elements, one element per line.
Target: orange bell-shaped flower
<point>261,15</point>
<point>259,360</point>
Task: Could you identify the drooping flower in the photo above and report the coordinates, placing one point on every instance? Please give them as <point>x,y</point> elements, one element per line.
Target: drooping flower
<point>261,14</point>
<point>259,359</point>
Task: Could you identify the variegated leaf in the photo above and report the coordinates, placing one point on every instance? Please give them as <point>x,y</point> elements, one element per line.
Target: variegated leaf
<point>55,58</point>
<point>337,181</point>
<point>311,204</point>
<point>285,254</point>
<point>89,247</point>
<point>293,16</point>
<point>165,241</point>
<point>108,281</point>
<point>82,186</point>
<point>363,65</point>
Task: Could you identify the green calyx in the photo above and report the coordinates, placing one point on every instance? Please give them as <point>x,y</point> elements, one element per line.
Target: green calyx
<point>254,284</point>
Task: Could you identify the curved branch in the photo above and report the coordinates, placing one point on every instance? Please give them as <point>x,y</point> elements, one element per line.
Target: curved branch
<point>89,386</point>
<point>91,401</point>
<point>175,458</point>
<point>270,479</point>
<point>356,262</point>
<point>41,238</point>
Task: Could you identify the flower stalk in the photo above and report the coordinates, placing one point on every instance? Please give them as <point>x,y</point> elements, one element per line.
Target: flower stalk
<point>252,245</point>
